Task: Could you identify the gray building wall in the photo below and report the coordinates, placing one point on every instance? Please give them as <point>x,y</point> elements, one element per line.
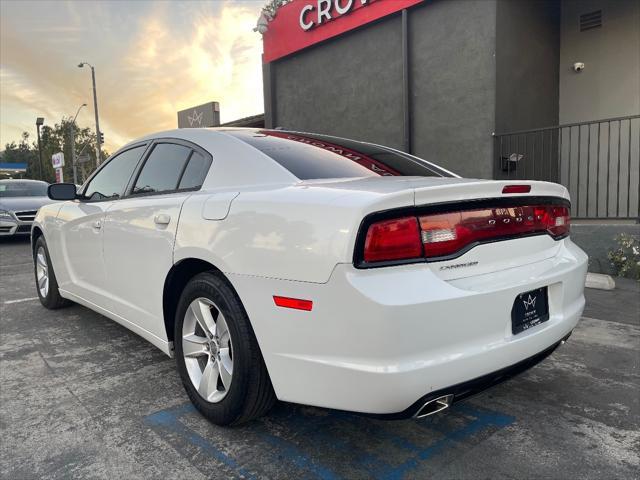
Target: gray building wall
<point>609,86</point>
<point>527,61</point>
<point>475,67</point>
<point>452,64</point>
<point>352,85</point>
<point>349,86</point>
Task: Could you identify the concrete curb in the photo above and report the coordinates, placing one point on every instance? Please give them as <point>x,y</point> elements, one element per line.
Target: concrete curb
<point>600,281</point>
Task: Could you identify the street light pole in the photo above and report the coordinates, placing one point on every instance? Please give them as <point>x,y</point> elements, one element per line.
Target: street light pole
<point>39,122</point>
<point>73,153</point>
<point>95,109</point>
<point>73,145</point>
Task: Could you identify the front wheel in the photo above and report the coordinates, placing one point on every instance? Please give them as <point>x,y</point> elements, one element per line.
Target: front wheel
<point>46,283</point>
<point>217,354</point>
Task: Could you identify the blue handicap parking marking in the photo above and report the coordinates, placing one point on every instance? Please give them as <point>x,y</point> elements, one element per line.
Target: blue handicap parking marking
<point>292,453</point>
<point>479,420</point>
<point>170,419</point>
<point>330,445</point>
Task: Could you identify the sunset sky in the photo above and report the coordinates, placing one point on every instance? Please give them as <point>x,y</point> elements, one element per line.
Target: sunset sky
<point>152,58</point>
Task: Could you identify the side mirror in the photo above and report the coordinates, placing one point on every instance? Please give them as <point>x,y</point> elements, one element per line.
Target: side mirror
<point>61,191</point>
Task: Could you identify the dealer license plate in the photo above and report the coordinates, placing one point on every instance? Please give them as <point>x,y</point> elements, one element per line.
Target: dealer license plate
<point>529,309</point>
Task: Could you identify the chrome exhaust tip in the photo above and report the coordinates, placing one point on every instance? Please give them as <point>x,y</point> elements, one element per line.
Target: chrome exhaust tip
<point>434,406</point>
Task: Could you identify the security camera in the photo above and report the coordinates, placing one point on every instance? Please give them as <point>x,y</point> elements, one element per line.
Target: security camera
<point>578,67</point>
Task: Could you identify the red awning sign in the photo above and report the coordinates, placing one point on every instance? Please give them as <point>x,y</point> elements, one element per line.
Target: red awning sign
<point>302,23</point>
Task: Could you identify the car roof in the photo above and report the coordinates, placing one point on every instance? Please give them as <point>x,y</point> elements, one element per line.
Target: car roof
<point>235,162</point>
<point>192,134</point>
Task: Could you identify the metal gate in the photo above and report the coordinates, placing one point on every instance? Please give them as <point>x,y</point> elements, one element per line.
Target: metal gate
<point>598,162</point>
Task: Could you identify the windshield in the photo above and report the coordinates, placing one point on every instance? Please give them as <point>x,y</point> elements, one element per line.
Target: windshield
<point>23,189</point>
<point>312,156</point>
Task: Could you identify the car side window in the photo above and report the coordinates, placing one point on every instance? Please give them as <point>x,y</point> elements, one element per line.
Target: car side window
<point>112,179</point>
<point>162,170</point>
<point>195,172</point>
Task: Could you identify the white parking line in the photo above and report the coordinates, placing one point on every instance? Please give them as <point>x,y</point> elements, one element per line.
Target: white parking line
<point>20,300</point>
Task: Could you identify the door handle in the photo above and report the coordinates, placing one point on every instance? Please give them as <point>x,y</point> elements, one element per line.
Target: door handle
<point>162,219</point>
<point>97,224</point>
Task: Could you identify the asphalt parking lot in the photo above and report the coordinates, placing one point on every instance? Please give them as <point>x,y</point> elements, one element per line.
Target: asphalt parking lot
<point>82,397</point>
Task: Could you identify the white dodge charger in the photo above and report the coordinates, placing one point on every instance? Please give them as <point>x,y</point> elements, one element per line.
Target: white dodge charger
<point>314,269</point>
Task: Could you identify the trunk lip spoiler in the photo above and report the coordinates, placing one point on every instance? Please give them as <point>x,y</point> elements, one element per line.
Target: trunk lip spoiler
<point>446,207</point>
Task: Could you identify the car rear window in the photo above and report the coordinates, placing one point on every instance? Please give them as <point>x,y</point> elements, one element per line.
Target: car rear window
<point>320,156</point>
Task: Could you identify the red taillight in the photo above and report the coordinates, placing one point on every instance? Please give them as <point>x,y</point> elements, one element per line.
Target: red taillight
<point>559,221</point>
<point>446,234</point>
<point>396,239</point>
<point>294,303</point>
<point>443,234</point>
<point>516,189</point>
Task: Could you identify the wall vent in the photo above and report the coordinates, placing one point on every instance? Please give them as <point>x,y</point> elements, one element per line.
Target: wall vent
<point>590,20</point>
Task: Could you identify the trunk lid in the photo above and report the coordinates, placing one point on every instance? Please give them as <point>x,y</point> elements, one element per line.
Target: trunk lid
<point>429,190</point>
<point>491,256</point>
<point>455,194</point>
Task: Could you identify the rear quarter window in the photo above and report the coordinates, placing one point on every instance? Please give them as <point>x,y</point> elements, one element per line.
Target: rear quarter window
<point>196,171</point>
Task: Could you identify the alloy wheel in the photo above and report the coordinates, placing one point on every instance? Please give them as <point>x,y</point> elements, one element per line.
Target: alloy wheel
<point>42,272</point>
<point>207,349</point>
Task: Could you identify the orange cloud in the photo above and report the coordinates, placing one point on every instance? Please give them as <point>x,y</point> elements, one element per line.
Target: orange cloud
<point>151,61</point>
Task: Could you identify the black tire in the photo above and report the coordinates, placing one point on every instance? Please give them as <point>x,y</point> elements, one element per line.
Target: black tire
<point>52,300</point>
<point>250,394</point>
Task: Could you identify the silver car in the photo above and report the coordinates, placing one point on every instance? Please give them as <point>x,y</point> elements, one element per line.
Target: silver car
<point>19,203</point>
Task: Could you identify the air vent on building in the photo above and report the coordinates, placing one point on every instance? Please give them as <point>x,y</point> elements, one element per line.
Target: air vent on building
<point>590,20</point>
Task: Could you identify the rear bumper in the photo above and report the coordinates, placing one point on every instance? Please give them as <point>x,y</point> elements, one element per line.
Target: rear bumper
<point>477,385</point>
<point>382,341</point>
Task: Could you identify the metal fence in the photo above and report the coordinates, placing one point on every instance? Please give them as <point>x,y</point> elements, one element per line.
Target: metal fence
<point>598,162</point>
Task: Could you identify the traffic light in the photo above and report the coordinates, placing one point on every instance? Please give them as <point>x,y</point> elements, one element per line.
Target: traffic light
<point>101,138</point>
